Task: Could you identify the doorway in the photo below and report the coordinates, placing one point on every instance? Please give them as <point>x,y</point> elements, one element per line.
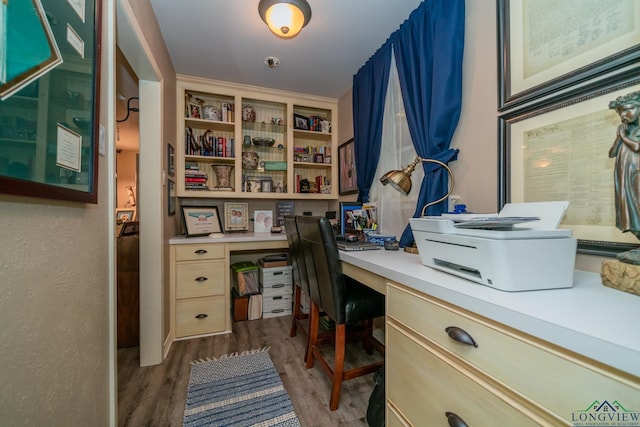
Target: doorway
<point>130,41</point>
<point>127,144</point>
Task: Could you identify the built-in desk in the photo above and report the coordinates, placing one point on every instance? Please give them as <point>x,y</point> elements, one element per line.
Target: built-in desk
<point>200,283</point>
<point>541,356</point>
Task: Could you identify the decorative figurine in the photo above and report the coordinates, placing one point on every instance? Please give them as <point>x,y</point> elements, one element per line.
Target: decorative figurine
<point>626,178</point>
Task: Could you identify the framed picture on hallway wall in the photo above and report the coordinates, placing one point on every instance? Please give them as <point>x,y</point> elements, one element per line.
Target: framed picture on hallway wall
<point>171,160</point>
<point>348,180</point>
<point>50,99</point>
<point>171,197</point>
<point>548,47</point>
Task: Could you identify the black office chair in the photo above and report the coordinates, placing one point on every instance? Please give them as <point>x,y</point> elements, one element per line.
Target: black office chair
<point>300,281</point>
<point>345,300</point>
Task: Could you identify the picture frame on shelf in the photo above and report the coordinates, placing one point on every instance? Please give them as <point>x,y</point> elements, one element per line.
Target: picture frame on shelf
<point>262,221</point>
<point>201,220</point>
<point>266,185</point>
<point>126,214</point>
<point>211,112</point>
<point>254,184</point>
<point>300,122</point>
<point>195,111</point>
<point>348,180</point>
<point>565,57</point>
<point>171,197</point>
<point>171,160</point>
<point>236,216</point>
<point>560,151</point>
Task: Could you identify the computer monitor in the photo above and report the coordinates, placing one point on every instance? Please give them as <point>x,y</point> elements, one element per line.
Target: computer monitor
<point>346,226</point>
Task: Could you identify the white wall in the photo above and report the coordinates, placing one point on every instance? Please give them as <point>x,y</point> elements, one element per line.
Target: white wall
<point>54,302</point>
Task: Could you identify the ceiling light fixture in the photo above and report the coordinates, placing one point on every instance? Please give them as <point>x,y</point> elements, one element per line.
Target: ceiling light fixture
<point>285,18</point>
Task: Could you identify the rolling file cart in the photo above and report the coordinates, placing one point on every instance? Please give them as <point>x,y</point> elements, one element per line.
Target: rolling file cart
<point>276,285</point>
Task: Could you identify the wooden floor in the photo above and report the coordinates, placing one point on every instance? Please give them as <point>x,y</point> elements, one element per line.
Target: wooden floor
<point>155,396</point>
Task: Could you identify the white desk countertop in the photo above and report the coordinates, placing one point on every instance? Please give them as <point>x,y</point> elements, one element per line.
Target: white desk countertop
<point>590,319</point>
<point>229,238</point>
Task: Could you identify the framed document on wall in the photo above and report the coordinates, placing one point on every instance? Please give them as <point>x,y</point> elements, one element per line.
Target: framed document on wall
<point>561,151</point>
<point>547,46</point>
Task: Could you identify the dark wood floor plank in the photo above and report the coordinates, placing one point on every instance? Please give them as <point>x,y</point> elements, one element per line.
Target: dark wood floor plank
<point>156,395</point>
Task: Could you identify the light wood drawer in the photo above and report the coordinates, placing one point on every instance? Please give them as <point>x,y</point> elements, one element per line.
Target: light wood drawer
<point>393,419</point>
<point>197,252</point>
<point>200,316</point>
<point>560,381</point>
<point>200,279</point>
<point>424,386</point>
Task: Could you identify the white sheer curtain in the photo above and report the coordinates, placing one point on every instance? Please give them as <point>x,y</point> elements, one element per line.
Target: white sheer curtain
<point>394,208</point>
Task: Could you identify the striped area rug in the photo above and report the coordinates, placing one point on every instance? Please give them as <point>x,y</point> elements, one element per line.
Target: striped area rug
<point>238,390</point>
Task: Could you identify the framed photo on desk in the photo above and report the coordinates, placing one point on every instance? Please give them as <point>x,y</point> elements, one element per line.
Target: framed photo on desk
<point>236,216</point>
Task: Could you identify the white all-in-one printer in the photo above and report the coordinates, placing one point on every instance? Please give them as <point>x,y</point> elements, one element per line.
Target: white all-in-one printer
<point>519,249</point>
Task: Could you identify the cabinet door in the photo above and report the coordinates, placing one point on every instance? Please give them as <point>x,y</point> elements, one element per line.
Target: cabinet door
<point>424,385</point>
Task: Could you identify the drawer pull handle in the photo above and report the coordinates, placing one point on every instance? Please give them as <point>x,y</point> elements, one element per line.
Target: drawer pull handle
<point>454,420</point>
<point>201,279</point>
<point>202,316</point>
<point>277,297</point>
<point>460,335</point>
<point>280,285</point>
<point>277,273</point>
<point>200,251</point>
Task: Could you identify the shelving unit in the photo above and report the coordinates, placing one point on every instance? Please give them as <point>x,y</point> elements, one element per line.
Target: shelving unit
<point>258,134</point>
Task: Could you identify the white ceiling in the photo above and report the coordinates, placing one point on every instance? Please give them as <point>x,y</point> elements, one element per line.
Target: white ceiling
<point>226,40</point>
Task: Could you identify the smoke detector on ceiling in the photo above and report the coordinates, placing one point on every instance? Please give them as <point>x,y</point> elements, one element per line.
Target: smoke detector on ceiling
<point>272,62</point>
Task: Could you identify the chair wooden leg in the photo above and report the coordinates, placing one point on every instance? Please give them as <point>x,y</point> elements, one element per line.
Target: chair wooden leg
<point>296,311</point>
<point>338,366</point>
<point>314,320</point>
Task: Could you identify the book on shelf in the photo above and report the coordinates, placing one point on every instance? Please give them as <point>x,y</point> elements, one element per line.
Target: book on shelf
<point>194,178</point>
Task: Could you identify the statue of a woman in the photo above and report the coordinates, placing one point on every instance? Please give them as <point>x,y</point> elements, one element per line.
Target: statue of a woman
<point>626,150</point>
